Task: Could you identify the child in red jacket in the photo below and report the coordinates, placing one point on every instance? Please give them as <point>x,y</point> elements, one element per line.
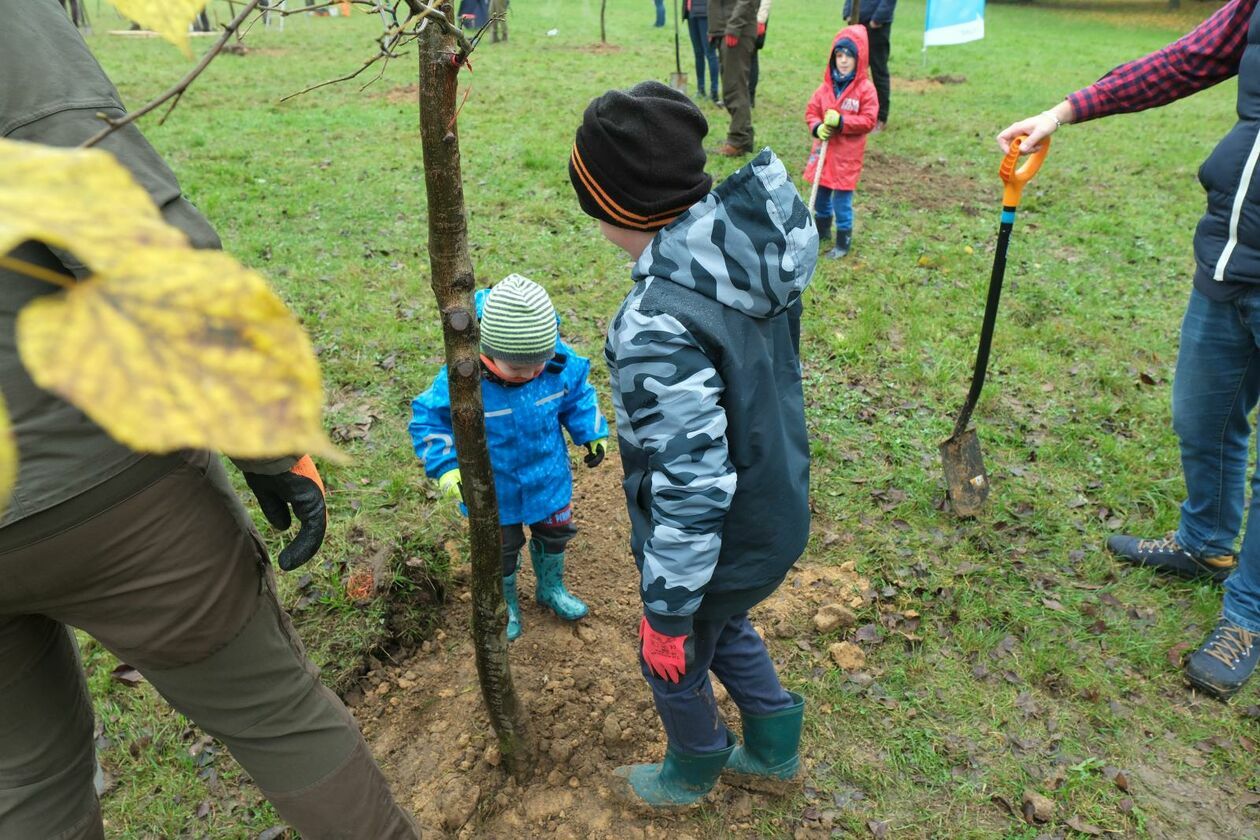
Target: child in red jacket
<point>841,112</point>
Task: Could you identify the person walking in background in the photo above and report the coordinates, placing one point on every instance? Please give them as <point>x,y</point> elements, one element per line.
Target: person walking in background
<point>1217,382</point>
<point>754,70</point>
<point>697,14</point>
<point>840,113</point>
<point>877,17</point>
<point>733,25</point>
<point>660,13</point>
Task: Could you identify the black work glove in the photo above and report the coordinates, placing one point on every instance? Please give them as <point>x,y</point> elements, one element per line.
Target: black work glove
<point>303,489</point>
<point>595,452</point>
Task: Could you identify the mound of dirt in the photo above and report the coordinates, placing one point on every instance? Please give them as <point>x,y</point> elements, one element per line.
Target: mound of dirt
<point>588,706</point>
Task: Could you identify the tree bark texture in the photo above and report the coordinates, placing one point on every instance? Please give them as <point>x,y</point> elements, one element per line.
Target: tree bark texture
<point>453,281</point>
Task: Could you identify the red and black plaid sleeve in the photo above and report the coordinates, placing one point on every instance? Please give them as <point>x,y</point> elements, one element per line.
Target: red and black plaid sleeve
<point>1209,54</point>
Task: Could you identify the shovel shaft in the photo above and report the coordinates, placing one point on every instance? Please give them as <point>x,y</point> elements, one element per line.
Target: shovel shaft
<point>813,191</point>
<point>990,320</point>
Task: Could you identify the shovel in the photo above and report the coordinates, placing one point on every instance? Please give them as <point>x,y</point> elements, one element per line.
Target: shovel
<point>677,79</point>
<point>965,478</point>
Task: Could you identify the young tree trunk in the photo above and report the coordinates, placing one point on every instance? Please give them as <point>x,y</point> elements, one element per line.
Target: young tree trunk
<point>853,12</point>
<point>453,283</point>
<point>603,34</point>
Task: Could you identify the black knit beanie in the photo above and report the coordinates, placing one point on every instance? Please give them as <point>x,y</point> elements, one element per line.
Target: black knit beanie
<point>638,158</point>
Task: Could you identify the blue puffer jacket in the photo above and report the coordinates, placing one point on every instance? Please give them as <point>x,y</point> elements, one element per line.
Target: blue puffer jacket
<point>523,430</point>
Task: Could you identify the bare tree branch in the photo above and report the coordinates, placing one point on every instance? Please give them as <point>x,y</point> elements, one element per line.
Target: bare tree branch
<point>177,90</point>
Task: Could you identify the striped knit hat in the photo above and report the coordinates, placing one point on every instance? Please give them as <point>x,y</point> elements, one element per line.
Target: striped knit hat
<point>518,322</point>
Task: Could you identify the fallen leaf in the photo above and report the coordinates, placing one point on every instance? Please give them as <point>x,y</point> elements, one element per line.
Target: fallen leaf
<point>1077,823</point>
<point>203,810</point>
<point>878,828</point>
<point>127,675</point>
<point>1051,604</point>
<point>1036,808</point>
<point>1176,652</point>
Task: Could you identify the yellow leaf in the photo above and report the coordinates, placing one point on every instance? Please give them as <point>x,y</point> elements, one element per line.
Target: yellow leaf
<point>81,200</point>
<point>177,348</point>
<point>8,457</point>
<point>168,18</point>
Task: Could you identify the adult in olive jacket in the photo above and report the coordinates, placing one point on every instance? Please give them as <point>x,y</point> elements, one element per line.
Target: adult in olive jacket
<point>154,556</point>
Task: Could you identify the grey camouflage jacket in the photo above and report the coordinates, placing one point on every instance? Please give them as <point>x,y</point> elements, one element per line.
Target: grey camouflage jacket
<point>705,361</point>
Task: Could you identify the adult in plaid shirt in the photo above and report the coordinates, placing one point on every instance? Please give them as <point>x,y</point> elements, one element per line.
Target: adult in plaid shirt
<point>1217,383</point>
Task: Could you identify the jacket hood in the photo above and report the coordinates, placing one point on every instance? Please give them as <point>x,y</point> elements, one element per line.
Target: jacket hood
<point>856,34</point>
<point>749,244</point>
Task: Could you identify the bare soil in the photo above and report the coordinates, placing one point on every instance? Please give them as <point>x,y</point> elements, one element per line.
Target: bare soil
<point>587,703</point>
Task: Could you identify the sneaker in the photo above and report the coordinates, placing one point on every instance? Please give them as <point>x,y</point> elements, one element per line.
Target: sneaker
<point>1167,556</point>
<point>1224,662</point>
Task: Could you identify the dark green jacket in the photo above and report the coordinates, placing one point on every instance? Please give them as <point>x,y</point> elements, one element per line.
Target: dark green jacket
<point>51,89</point>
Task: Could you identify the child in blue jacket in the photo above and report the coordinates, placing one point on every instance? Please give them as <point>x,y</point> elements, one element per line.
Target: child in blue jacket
<point>532,386</point>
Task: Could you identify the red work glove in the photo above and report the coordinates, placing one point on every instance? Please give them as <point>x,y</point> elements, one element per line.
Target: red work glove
<point>303,489</point>
<point>666,656</point>
<point>732,41</point>
<point>761,30</point>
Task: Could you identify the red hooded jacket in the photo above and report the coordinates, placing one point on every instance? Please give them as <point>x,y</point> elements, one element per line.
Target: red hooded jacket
<point>858,104</point>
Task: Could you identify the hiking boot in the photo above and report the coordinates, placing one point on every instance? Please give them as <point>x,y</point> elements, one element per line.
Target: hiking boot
<point>676,782</point>
<point>513,607</point>
<point>1168,557</point>
<point>768,761</point>
<point>1224,662</point>
<point>727,150</point>
<point>823,224</point>
<point>844,239</point>
<point>549,584</point>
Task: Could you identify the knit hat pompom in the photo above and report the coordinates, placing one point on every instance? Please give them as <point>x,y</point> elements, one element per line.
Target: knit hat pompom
<point>518,322</point>
<point>638,158</point>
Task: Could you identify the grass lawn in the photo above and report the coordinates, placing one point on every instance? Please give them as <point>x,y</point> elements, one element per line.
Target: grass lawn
<point>1004,654</point>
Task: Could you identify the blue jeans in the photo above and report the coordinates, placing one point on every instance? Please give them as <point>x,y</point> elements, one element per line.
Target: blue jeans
<point>1215,390</point>
<point>838,203</point>
<point>660,12</point>
<point>736,654</point>
<point>698,28</point>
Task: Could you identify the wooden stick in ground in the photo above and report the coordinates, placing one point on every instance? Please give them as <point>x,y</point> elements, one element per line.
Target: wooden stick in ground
<point>453,281</point>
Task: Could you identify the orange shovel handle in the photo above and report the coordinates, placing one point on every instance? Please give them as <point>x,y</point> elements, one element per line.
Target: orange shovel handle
<point>1014,178</point>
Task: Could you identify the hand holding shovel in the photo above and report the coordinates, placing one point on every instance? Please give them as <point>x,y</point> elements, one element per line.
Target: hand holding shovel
<point>966,480</point>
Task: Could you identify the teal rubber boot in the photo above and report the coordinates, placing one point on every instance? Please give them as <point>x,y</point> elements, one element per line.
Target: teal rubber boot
<point>513,607</point>
<point>678,781</point>
<point>769,759</point>
<point>549,584</point>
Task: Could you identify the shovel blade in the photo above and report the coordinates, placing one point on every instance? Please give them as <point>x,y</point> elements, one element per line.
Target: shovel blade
<point>678,81</point>
<point>965,477</point>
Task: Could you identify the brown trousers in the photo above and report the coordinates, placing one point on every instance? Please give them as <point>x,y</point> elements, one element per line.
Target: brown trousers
<point>736,69</point>
<point>162,566</point>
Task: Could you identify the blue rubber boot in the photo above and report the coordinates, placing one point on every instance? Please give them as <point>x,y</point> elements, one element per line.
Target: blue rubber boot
<point>678,781</point>
<point>549,584</point>
<point>769,759</point>
<point>513,607</point>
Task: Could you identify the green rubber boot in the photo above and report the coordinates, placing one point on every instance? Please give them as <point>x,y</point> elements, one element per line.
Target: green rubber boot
<point>768,760</point>
<point>513,607</point>
<point>678,781</point>
<point>549,584</point>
